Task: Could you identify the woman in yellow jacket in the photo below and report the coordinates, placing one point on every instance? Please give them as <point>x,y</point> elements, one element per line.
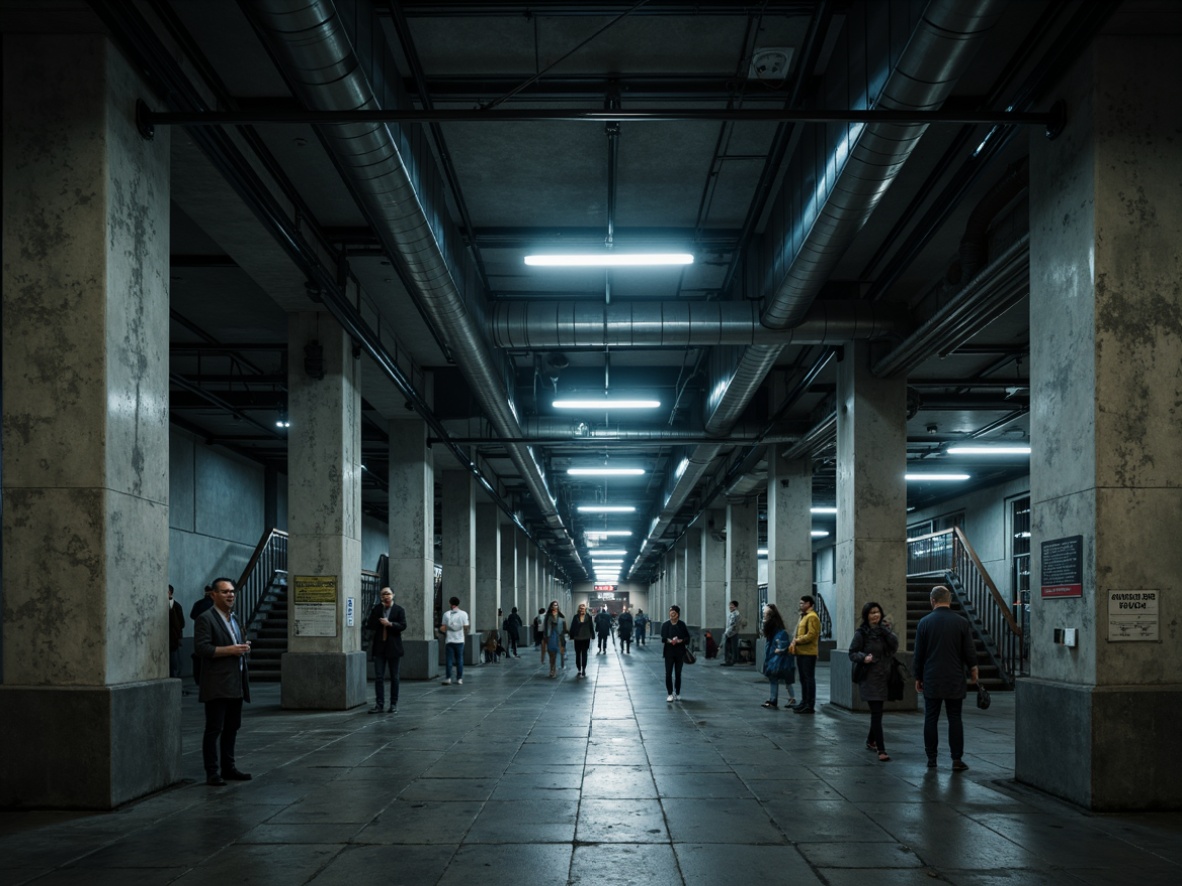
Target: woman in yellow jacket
<point>805,647</point>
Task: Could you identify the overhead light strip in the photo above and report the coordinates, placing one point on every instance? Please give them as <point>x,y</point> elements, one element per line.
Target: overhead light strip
<point>610,260</point>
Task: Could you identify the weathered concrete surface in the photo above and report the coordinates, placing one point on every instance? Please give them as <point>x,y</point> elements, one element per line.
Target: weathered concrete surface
<point>323,681</point>
<point>742,564</point>
<point>487,598</point>
<point>1106,341</point>
<point>789,542</point>
<point>412,527</point>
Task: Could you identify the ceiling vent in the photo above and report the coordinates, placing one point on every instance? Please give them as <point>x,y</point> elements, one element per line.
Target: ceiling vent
<point>770,64</point>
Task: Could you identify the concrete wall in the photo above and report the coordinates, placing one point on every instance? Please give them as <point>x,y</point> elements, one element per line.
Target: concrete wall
<point>375,541</point>
<point>215,518</point>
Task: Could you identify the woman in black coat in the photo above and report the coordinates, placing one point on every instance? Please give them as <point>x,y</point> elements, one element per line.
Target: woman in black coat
<point>874,645</point>
<point>675,637</point>
<point>582,629</point>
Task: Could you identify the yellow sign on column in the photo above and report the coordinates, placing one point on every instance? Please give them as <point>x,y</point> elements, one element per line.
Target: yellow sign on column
<point>315,599</point>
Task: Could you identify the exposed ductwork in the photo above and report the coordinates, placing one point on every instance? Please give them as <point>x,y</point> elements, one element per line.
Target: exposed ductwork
<point>536,325</point>
<point>392,174</point>
<point>844,174</point>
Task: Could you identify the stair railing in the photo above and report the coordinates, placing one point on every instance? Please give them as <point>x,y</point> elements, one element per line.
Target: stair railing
<point>268,562</point>
<point>930,554</point>
<point>999,628</point>
<point>823,614</point>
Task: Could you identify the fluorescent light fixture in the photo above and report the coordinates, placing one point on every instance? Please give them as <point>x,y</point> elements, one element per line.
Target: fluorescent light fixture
<point>681,469</point>
<point>607,509</point>
<point>610,260</point>
<point>819,533</point>
<point>762,552</point>
<point>606,403</point>
<point>608,533</point>
<point>282,423</point>
<point>605,472</point>
<point>613,552</point>
<point>924,478</point>
<point>988,450</point>
<point>822,510</point>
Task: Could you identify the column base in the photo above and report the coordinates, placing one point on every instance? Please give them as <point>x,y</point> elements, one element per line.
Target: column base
<point>473,654</point>
<point>88,747</point>
<point>421,660</point>
<point>844,693</point>
<point>322,681</point>
<point>1107,748</point>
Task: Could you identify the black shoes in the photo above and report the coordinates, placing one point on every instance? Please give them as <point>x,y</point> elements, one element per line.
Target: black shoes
<point>800,709</point>
<point>393,709</point>
<point>959,765</point>
<point>235,775</point>
<point>931,762</point>
<point>215,781</point>
<point>376,709</point>
<point>769,704</point>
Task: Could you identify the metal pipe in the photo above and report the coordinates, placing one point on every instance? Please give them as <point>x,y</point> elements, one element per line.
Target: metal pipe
<point>546,325</point>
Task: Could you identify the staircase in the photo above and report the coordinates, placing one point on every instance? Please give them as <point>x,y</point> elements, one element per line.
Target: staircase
<point>269,638</point>
<point>919,605</point>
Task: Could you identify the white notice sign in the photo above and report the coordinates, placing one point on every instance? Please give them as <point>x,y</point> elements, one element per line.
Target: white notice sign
<point>1133,615</point>
<point>315,598</point>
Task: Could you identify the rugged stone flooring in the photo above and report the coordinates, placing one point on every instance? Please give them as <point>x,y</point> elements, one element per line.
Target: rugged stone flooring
<point>514,778</point>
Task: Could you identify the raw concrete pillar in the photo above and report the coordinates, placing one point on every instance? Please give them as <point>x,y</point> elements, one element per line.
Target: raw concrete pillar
<point>488,568</point>
<point>90,718</point>
<point>1097,723</point>
<point>789,524</point>
<point>459,549</point>
<point>527,603</point>
<point>508,568</point>
<point>324,668</point>
<point>693,575</point>
<point>742,562</point>
<point>411,512</point>
<point>871,548</point>
<point>714,599</point>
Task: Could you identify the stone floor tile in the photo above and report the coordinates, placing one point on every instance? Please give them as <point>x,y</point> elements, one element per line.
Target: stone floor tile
<point>624,865</point>
<point>411,821</point>
<point>388,865</point>
<point>510,864</point>
<point>720,820</point>
<point>863,854</point>
<point>703,864</point>
<point>621,821</point>
<point>536,820</point>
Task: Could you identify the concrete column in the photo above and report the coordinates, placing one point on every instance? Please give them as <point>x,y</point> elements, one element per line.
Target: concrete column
<point>693,575</point>
<point>488,568</point>
<point>459,549</point>
<point>508,569</point>
<point>527,603</point>
<point>324,668</point>
<point>714,599</point>
<point>742,562</point>
<point>1097,723</point>
<point>871,546</point>
<point>412,544</point>
<point>90,718</point>
<point>789,524</point>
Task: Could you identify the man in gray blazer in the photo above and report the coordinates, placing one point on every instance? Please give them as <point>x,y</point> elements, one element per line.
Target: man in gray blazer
<point>219,641</point>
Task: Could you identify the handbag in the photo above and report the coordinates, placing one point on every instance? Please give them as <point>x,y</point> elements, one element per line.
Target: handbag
<point>983,700</point>
<point>860,672</point>
<point>690,658</point>
<point>780,666</point>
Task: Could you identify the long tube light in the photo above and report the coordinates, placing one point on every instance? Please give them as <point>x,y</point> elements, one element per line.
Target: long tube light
<point>605,472</point>
<point>607,533</point>
<point>606,403</point>
<point>823,510</point>
<point>924,478</point>
<point>607,509</point>
<point>610,260</point>
<point>988,450</point>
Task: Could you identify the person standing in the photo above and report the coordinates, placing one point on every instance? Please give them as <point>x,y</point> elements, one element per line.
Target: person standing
<point>512,627</point>
<point>539,634</point>
<point>581,631</point>
<point>625,627</point>
<point>387,621</point>
<point>603,628</point>
<point>202,605</point>
<point>176,632</point>
<point>805,647</point>
<point>641,626</point>
<point>675,637</point>
<point>874,645</point>
<point>221,644</point>
<point>730,636</point>
<point>944,649</point>
<point>776,654</point>
<point>455,628</point>
<point>553,634</point>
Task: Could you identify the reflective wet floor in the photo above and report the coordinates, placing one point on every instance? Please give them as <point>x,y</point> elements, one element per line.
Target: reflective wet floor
<point>515,778</point>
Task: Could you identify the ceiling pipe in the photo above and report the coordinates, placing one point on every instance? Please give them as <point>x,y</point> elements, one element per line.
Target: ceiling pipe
<point>529,324</point>
<point>389,177</point>
<point>853,171</point>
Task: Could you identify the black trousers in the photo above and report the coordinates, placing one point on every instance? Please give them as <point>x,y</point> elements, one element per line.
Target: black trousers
<point>223,718</point>
<point>875,736</point>
<point>673,675</point>
<point>581,649</point>
<point>380,664</point>
<point>931,723</point>
<point>806,667</point>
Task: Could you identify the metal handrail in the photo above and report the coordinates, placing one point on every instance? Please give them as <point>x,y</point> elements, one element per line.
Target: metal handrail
<point>950,552</point>
<point>268,560</point>
<point>823,614</point>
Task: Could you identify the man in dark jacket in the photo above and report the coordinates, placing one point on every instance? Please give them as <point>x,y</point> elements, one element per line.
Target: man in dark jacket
<point>603,628</point>
<point>176,632</point>
<point>387,621</point>
<point>219,641</point>
<point>943,650</point>
<point>205,603</point>
<point>512,627</point>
